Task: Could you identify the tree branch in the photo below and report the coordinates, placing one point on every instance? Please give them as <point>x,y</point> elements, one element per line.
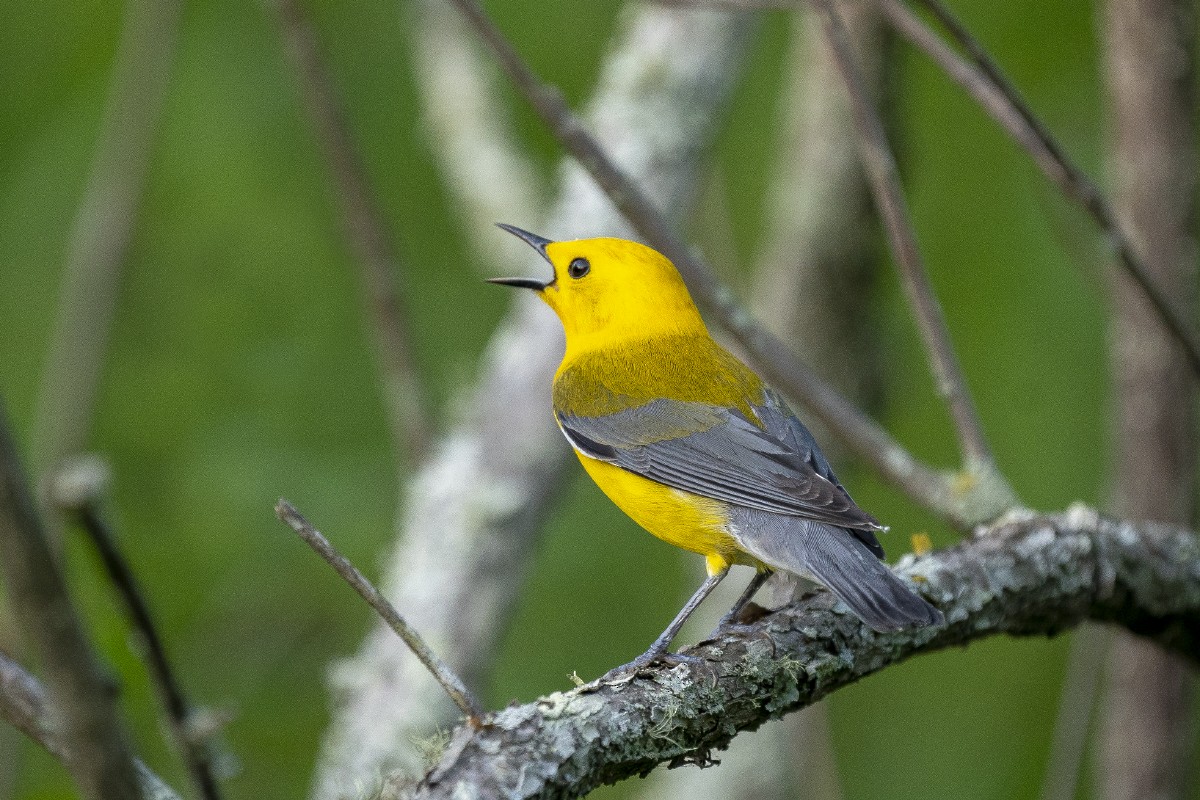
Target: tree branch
<point>987,84</point>
<point>884,178</point>
<point>23,705</point>
<point>83,704</point>
<point>458,691</point>
<point>366,232</point>
<point>1038,575</point>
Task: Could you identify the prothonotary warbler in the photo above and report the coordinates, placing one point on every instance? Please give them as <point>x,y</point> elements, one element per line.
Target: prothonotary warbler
<point>691,444</point>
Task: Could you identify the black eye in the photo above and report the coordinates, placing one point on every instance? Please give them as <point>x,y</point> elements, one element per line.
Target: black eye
<point>578,268</point>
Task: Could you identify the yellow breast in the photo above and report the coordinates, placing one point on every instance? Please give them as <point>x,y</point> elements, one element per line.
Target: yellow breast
<point>680,518</point>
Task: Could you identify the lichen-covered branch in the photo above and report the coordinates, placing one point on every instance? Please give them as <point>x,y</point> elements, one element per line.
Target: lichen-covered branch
<point>1036,575</point>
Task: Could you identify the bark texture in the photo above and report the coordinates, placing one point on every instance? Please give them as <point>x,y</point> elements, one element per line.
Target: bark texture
<point>1147,734</point>
<point>1037,575</point>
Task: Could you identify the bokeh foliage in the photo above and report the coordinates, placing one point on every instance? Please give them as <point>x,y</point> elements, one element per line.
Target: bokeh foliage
<point>240,370</point>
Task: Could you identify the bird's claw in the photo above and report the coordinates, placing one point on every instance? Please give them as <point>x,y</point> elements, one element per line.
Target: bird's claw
<point>651,658</point>
<point>724,628</point>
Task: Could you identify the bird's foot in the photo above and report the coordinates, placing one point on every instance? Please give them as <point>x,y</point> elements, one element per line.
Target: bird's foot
<point>724,628</point>
<point>739,620</point>
<point>651,658</point>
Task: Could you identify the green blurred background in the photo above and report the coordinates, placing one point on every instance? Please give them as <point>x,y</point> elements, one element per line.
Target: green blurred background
<point>239,369</point>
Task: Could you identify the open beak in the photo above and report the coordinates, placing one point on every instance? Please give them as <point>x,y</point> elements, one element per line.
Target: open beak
<point>537,243</point>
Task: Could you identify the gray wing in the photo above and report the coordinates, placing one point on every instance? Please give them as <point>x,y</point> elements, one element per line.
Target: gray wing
<point>717,452</point>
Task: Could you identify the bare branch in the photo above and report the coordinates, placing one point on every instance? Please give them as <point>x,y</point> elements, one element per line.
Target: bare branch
<point>987,84</point>
<point>366,233</point>
<point>883,176</point>
<point>1033,576</point>
<point>103,229</point>
<point>23,704</point>
<point>77,490</point>
<point>84,709</point>
<point>453,685</point>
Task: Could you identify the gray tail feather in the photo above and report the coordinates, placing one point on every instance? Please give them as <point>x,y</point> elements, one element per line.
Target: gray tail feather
<point>846,566</point>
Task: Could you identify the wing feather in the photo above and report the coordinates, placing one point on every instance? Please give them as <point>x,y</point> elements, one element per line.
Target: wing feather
<point>719,453</point>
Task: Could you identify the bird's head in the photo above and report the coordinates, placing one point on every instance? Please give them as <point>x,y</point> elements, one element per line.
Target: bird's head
<point>609,290</point>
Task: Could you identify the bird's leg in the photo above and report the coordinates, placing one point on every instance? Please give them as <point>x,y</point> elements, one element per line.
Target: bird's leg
<point>752,588</point>
<point>659,649</point>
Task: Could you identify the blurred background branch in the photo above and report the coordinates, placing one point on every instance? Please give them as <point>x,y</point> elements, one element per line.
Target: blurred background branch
<point>883,176</point>
<point>997,95</point>
<point>76,490</point>
<point>23,704</point>
<point>103,230</point>
<point>1147,725</point>
<point>488,174</point>
<point>405,401</point>
<point>83,709</point>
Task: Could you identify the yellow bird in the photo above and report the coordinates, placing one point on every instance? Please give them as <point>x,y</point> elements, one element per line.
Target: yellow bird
<point>690,443</point>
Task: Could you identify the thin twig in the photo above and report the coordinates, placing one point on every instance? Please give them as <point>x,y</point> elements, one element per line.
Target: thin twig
<point>77,491</point>
<point>366,232</point>
<point>883,176</point>
<point>454,687</point>
<point>83,697</point>
<point>988,85</point>
<point>988,496</point>
<point>24,705</point>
